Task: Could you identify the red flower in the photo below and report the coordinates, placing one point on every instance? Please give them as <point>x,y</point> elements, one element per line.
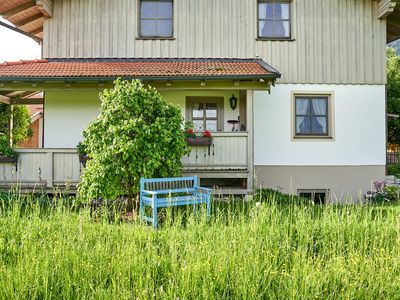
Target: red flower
<point>206,134</point>
<point>190,130</point>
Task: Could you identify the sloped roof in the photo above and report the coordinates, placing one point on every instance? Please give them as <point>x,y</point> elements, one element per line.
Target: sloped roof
<point>154,69</point>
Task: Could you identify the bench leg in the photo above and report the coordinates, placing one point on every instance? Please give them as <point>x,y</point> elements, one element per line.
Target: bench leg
<point>141,210</point>
<point>208,208</point>
<point>155,217</point>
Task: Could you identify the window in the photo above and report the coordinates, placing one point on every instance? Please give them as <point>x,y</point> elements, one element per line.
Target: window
<point>274,19</point>
<point>317,196</point>
<point>156,19</point>
<point>311,116</point>
<point>206,113</point>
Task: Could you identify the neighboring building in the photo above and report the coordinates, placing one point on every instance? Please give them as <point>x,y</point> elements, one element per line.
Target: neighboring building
<point>315,127</point>
<point>35,138</point>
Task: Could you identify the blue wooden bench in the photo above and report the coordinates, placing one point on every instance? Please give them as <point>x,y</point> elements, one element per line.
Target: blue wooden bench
<point>166,192</point>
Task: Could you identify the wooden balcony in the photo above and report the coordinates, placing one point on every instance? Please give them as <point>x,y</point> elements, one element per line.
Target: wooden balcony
<point>52,169</point>
<point>228,152</point>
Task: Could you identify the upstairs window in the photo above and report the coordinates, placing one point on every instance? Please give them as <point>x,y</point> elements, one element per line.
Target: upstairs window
<point>311,116</point>
<point>156,19</point>
<point>274,19</point>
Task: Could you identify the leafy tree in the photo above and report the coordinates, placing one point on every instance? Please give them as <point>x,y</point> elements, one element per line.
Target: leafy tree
<point>136,134</point>
<point>21,122</point>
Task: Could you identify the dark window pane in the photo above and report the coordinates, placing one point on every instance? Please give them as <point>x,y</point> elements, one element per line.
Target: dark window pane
<point>281,28</point>
<point>319,197</point>
<point>306,195</point>
<point>265,29</point>
<point>265,11</point>
<point>318,125</point>
<point>164,28</point>
<point>165,10</point>
<point>319,106</point>
<point>302,106</point>
<point>148,10</point>
<point>303,125</point>
<point>148,28</point>
<point>281,11</point>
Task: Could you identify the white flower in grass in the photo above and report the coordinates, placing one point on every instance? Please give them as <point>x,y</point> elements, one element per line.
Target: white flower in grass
<point>258,205</point>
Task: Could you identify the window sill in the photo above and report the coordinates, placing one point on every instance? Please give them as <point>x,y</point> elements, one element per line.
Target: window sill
<point>155,38</point>
<point>312,138</point>
<point>276,39</point>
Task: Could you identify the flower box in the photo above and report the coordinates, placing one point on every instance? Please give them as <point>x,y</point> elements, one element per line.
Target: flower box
<point>8,159</point>
<point>199,141</point>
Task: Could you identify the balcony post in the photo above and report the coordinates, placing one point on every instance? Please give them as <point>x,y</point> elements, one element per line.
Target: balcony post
<point>250,141</point>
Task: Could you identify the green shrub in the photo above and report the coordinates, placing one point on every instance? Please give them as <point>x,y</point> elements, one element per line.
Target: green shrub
<point>137,134</point>
<point>5,148</point>
<point>278,197</point>
<point>21,122</point>
<point>81,148</point>
<point>392,193</point>
<point>393,170</point>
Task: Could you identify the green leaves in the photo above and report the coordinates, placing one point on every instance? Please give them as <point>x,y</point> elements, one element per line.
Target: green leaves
<point>21,122</point>
<point>137,134</point>
<point>393,95</point>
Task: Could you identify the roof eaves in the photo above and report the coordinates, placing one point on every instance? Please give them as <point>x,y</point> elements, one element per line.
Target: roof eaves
<point>148,78</point>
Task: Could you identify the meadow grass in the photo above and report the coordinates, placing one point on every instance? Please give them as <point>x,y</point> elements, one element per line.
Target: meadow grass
<point>52,249</point>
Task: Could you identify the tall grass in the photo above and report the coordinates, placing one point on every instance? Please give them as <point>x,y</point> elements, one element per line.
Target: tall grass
<point>51,249</point>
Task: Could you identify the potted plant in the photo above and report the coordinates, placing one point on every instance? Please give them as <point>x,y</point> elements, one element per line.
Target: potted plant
<point>194,138</point>
<point>82,153</point>
<point>7,154</point>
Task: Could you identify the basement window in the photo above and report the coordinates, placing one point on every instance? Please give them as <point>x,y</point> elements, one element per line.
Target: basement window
<point>317,196</point>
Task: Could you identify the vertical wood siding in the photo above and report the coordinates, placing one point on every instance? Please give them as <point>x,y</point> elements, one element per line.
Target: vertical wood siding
<point>335,41</point>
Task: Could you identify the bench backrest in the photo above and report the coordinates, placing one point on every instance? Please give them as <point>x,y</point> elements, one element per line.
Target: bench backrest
<point>170,185</point>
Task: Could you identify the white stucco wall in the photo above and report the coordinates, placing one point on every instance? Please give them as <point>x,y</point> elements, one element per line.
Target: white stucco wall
<point>359,127</point>
<point>66,115</point>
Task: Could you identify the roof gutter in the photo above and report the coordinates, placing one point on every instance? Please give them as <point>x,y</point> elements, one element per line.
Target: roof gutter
<point>143,78</point>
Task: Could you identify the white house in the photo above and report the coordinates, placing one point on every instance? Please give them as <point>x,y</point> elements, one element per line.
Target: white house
<point>309,78</point>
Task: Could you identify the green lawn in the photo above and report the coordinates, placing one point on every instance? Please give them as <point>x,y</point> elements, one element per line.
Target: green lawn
<point>278,251</point>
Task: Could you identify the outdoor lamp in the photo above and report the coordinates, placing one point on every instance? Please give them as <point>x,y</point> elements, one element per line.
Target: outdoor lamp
<point>233,102</point>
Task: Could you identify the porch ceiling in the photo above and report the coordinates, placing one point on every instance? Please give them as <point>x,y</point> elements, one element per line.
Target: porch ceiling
<point>21,97</point>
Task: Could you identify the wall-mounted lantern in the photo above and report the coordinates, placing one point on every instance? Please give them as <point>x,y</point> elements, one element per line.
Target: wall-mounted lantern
<point>233,102</point>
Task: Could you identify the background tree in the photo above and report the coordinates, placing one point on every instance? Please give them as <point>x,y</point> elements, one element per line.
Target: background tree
<point>136,134</point>
<point>21,122</point>
<point>393,96</point>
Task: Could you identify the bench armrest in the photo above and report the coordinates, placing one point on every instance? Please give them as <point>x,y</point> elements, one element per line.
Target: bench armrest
<point>204,190</point>
<point>149,192</point>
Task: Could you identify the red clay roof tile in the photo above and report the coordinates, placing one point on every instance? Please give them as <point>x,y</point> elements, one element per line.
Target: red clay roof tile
<point>140,68</point>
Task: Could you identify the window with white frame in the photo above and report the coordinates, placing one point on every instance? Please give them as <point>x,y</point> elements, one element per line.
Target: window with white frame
<point>156,19</point>
<point>206,113</point>
<point>312,115</point>
<point>274,19</point>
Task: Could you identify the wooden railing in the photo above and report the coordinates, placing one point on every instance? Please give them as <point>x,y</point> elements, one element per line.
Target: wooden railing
<point>51,168</point>
<point>227,152</point>
<point>42,168</point>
